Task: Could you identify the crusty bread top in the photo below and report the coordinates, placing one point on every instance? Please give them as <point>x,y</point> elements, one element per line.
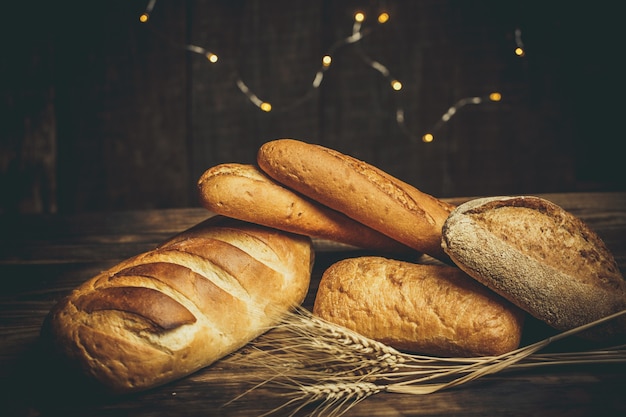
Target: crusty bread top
<point>244,192</point>
<point>537,255</point>
<point>359,190</point>
<point>429,309</point>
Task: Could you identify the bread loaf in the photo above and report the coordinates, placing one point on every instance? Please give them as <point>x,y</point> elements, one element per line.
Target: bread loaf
<point>358,190</point>
<point>243,192</point>
<point>428,309</point>
<point>168,312</point>
<point>540,257</point>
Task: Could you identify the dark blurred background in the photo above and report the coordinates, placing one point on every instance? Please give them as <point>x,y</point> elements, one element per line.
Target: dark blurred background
<point>99,111</point>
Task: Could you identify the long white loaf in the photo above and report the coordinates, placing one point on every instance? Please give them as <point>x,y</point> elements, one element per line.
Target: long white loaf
<point>166,313</point>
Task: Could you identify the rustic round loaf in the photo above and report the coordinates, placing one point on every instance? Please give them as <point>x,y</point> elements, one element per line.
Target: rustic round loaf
<point>541,258</point>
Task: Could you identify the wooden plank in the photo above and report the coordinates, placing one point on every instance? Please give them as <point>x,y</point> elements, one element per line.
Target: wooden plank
<point>28,137</point>
<point>121,106</point>
<point>274,49</point>
<point>103,112</point>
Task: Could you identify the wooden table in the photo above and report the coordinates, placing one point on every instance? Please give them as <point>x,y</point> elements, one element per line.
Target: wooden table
<point>44,257</point>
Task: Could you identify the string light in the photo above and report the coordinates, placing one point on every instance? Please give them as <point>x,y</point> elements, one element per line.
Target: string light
<point>359,17</point>
<point>445,118</point>
<point>263,105</point>
<point>358,33</point>
<point>495,96</point>
<point>210,56</point>
<point>145,16</point>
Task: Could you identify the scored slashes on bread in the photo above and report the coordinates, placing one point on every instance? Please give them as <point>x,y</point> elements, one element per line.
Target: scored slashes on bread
<point>359,190</point>
<point>428,309</point>
<point>243,192</point>
<point>166,313</point>
<point>541,258</point>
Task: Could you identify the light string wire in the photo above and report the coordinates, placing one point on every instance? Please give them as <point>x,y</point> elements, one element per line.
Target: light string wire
<point>429,137</point>
<point>357,35</point>
<point>519,48</point>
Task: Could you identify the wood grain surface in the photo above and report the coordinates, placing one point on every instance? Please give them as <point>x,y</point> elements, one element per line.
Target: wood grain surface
<point>44,257</point>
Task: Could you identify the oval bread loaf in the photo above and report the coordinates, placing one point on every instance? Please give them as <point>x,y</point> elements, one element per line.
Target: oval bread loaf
<point>358,190</point>
<point>541,258</point>
<point>428,309</point>
<point>243,192</point>
<point>166,313</point>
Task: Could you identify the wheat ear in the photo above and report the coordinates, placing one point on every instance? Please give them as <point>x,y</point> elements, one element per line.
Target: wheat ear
<point>331,399</point>
<point>319,362</point>
<point>311,344</point>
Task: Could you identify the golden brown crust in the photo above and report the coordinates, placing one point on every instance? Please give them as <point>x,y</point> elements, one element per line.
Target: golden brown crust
<point>540,257</point>
<point>243,192</point>
<point>200,291</point>
<point>358,190</point>
<point>166,313</point>
<point>429,309</point>
<point>148,304</point>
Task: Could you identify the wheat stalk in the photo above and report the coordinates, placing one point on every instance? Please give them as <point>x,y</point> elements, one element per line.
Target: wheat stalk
<point>326,398</point>
<point>334,399</point>
<point>313,361</point>
<point>306,342</point>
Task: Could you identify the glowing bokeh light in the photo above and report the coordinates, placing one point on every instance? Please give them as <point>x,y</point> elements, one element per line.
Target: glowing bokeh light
<point>495,96</point>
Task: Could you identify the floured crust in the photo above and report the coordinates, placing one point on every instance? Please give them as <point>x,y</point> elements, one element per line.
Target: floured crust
<point>429,309</point>
<point>243,192</point>
<point>540,257</point>
<point>358,190</point>
<point>166,313</point>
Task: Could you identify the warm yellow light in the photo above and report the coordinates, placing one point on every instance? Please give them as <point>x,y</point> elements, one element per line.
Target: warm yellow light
<point>211,57</point>
<point>383,17</point>
<point>326,60</point>
<point>359,17</point>
<point>265,106</point>
<point>428,137</point>
<point>396,85</point>
<point>495,96</point>
<point>519,51</point>
<point>144,18</point>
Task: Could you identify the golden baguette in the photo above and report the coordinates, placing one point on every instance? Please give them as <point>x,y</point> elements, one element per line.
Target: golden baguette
<point>243,192</point>
<point>358,190</point>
